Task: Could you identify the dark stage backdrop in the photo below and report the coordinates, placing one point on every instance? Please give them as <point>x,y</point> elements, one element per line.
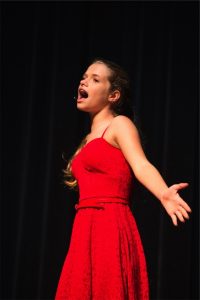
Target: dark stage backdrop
<point>45,48</point>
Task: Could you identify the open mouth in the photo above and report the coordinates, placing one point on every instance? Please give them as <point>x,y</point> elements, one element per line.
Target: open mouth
<point>82,94</point>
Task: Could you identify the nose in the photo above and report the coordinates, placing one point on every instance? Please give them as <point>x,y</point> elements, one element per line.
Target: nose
<point>84,82</point>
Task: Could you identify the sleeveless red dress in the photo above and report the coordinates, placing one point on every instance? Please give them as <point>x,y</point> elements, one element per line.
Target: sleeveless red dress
<point>105,260</point>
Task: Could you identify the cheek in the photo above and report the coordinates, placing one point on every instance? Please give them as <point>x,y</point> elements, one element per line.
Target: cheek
<point>102,97</point>
<point>99,93</point>
<point>102,93</point>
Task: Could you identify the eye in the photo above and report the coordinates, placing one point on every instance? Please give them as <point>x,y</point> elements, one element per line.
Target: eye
<point>83,77</point>
<point>96,80</point>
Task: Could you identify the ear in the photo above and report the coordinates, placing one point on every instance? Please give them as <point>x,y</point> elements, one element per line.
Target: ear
<point>114,96</point>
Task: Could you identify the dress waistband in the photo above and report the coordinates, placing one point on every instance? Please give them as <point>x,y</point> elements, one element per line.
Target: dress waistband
<point>98,202</point>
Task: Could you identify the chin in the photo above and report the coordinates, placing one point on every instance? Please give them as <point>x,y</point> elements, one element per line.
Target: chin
<point>82,108</point>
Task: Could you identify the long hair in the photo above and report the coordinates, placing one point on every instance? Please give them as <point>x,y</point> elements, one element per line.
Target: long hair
<point>119,80</point>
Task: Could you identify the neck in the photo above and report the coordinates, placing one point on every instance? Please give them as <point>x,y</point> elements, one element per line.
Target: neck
<point>100,120</point>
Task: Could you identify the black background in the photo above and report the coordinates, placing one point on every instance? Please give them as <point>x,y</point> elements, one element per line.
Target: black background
<point>45,48</point>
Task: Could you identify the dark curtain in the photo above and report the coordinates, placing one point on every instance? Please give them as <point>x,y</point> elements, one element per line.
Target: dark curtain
<point>45,49</point>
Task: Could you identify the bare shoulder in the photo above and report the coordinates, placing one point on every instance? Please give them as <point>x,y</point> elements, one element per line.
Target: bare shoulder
<point>127,137</point>
<point>121,119</point>
<point>122,123</point>
<point>121,130</point>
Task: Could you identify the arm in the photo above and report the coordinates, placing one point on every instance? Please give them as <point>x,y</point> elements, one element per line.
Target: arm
<point>146,173</point>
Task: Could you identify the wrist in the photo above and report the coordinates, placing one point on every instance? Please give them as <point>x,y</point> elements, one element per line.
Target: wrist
<point>163,196</point>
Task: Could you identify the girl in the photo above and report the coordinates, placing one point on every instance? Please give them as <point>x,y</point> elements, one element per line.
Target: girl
<point>106,260</point>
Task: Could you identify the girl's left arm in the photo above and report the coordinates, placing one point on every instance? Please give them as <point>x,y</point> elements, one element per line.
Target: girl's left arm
<point>146,173</point>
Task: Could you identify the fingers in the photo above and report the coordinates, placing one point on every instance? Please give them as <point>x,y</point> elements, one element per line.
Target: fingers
<point>177,205</point>
<point>183,204</point>
<point>184,212</point>
<point>174,219</point>
<point>186,207</point>
<point>180,214</point>
<point>176,215</point>
<point>183,184</point>
<point>179,186</point>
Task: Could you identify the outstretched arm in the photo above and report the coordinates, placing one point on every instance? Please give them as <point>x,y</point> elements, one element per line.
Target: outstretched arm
<point>127,137</point>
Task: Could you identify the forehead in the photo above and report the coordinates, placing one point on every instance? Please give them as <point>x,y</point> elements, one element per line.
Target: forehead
<point>99,69</point>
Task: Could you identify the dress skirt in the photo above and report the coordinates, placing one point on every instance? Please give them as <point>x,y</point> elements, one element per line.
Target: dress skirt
<point>105,259</point>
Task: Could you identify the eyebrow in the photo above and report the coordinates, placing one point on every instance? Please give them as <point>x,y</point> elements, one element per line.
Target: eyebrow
<point>92,75</point>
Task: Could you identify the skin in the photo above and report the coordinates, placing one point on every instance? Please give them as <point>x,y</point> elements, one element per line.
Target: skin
<point>96,83</point>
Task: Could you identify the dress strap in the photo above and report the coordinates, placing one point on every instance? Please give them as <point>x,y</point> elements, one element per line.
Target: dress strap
<point>104,131</point>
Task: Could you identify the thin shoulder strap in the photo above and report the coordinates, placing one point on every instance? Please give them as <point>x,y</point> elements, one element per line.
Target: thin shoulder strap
<point>105,130</point>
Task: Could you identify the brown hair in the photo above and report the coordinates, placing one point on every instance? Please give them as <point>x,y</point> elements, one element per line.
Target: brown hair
<point>69,179</point>
<point>119,81</point>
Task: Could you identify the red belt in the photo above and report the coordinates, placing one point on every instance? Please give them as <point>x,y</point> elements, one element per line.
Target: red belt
<point>98,203</point>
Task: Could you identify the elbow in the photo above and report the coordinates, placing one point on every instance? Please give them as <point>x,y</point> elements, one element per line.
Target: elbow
<point>140,169</point>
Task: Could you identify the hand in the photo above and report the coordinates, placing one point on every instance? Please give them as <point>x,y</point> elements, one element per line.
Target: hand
<point>175,206</point>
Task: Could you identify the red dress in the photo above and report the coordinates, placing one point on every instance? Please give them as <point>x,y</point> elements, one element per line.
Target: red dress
<point>105,260</point>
